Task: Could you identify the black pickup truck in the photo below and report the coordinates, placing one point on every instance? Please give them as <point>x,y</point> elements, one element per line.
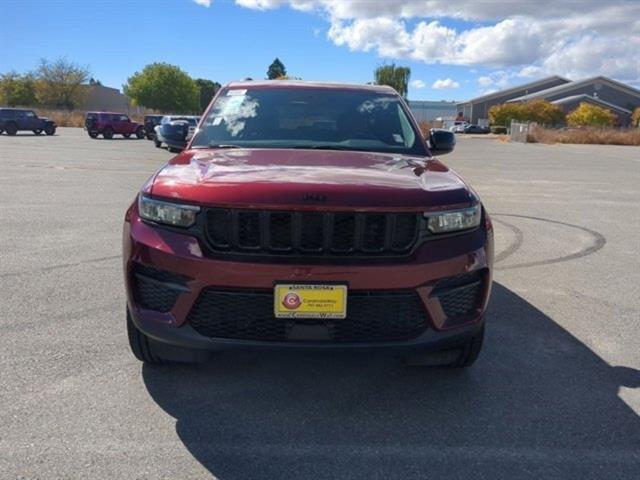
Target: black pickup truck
<point>13,120</point>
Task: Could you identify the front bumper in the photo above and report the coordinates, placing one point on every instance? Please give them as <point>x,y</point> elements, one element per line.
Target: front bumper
<point>182,256</point>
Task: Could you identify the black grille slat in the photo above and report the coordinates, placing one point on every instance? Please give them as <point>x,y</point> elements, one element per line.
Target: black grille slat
<point>281,231</point>
<point>219,226</point>
<point>311,233</point>
<point>249,230</point>
<point>248,315</point>
<point>344,232</point>
<point>375,229</point>
<point>405,231</point>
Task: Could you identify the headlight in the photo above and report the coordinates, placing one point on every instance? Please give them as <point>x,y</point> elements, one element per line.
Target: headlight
<point>455,220</point>
<point>168,213</point>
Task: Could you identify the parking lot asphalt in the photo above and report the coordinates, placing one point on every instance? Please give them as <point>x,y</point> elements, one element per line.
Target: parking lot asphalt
<point>555,393</point>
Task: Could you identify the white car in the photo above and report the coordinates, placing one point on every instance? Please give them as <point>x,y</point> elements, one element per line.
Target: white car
<point>459,127</point>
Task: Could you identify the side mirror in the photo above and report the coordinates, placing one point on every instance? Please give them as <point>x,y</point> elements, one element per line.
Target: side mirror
<point>441,141</point>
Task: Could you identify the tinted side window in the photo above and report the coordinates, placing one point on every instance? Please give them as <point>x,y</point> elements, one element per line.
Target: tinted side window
<point>6,114</point>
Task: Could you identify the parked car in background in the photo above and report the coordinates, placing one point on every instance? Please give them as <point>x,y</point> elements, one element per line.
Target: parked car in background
<point>458,127</point>
<point>174,131</point>
<point>150,123</point>
<point>14,120</point>
<point>308,215</point>
<point>475,129</point>
<point>109,124</point>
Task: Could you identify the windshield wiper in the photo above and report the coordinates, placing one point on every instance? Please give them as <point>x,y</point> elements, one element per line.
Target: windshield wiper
<point>323,147</point>
<point>223,145</point>
<point>216,145</point>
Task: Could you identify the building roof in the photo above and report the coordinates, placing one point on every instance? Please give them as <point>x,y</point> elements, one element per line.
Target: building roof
<point>588,98</point>
<point>524,86</point>
<point>580,83</point>
<point>432,103</point>
<point>305,84</point>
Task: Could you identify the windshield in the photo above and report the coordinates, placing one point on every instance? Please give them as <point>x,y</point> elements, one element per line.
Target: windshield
<point>309,118</point>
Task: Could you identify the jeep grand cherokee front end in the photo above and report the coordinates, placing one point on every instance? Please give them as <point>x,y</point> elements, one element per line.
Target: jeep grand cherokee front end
<point>307,215</point>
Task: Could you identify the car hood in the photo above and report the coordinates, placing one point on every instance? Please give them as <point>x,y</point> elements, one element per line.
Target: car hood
<point>275,178</point>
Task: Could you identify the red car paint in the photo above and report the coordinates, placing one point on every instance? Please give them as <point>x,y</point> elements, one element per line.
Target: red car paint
<point>300,180</point>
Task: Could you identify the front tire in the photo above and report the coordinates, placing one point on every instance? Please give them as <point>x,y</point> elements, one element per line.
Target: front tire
<point>126,135</point>
<point>141,346</point>
<point>107,133</point>
<point>93,134</point>
<point>49,130</point>
<point>140,133</point>
<point>37,131</point>
<point>157,143</point>
<point>11,129</point>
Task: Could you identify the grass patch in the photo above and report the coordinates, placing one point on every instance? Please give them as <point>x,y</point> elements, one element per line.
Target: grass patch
<point>596,136</point>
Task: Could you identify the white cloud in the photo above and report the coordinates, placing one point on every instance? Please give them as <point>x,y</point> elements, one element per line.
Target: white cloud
<point>445,83</point>
<point>204,3</point>
<point>417,84</point>
<point>529,39</point>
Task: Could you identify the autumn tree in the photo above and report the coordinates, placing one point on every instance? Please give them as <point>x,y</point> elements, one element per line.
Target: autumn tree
<point>539,111</point>
<point>635,118</point>
<point>59,83</point>
<point>587,115</point>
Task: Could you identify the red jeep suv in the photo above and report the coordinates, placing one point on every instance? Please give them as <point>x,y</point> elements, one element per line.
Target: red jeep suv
<point>308,215</point>
<point>108,124</point>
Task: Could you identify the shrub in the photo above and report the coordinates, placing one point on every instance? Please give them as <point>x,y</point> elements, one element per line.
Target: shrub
<point>539,111</point>
<point>499,129</point>
<point>586,135</point>
<point>635,118</point>
<point>587,115</point>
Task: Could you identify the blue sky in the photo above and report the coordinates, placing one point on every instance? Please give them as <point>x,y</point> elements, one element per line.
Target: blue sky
<point>462,52</point>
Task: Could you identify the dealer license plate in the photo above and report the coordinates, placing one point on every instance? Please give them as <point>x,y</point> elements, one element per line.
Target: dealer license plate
<point>310,301</point>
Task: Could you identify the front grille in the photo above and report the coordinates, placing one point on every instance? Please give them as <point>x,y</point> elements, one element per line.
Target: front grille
<point>248,315</point>
<point>157,289</point>
<point>310,233</point>
<point>461,295</point>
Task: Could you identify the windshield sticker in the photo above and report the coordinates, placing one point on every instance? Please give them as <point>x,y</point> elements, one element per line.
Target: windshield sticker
<point>398,138</point>
<point>232,105</point>
<point>236,91</point>
<point>217,121</point>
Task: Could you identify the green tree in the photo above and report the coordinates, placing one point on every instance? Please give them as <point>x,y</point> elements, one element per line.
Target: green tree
<point>587,115</point>
<point>163,87</point>
<point>17,90</point>
<point>635,118</point>
<point>396,77</point>
<point>276,70</point>
<point>207,89</point>
<point>59,83</point>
